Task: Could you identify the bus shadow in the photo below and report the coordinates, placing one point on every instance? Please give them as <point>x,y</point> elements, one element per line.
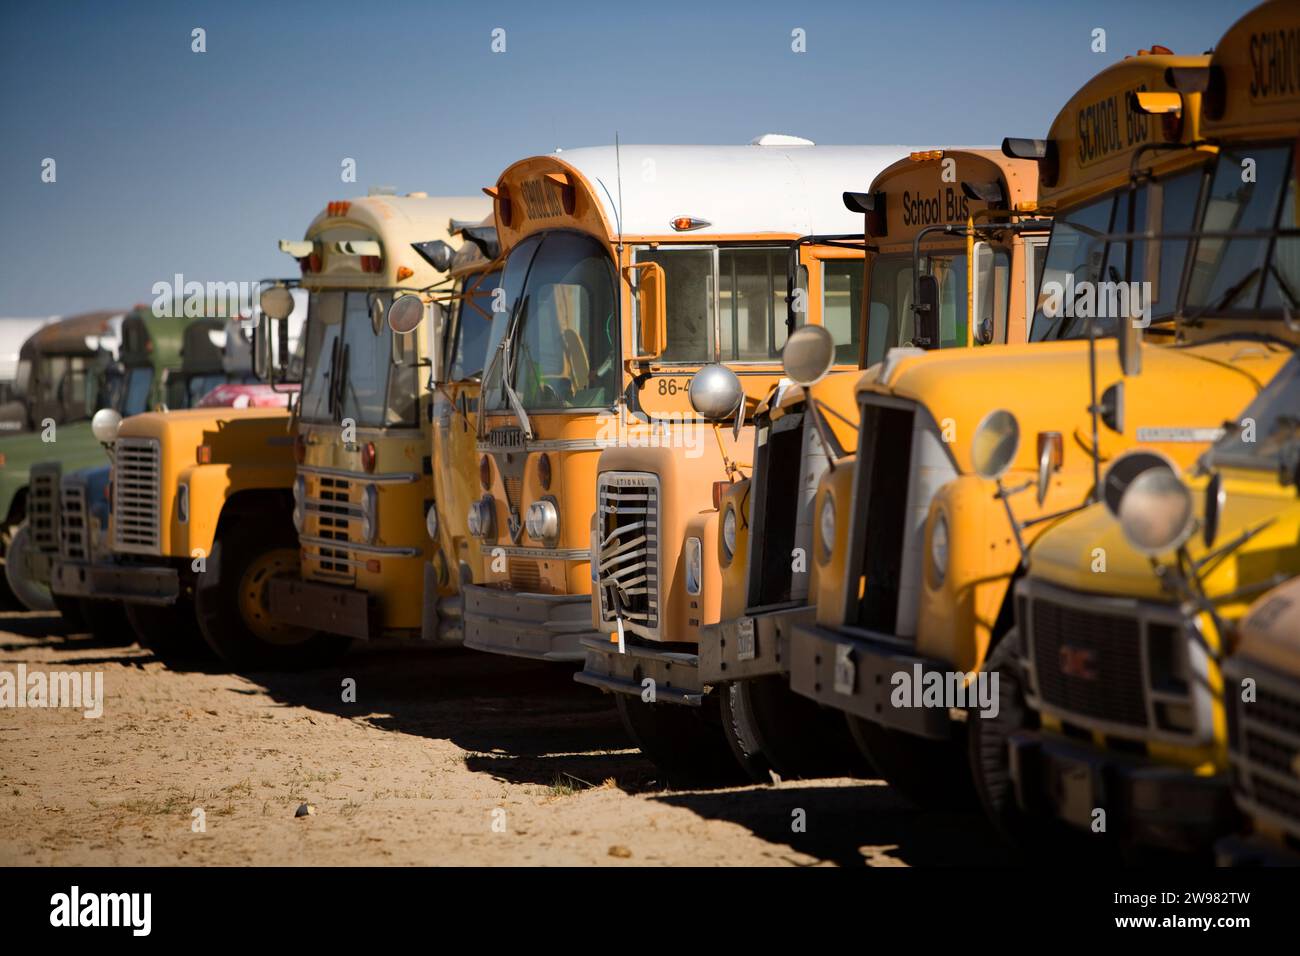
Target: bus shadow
<point>520,721</point>
<point>852,824</point>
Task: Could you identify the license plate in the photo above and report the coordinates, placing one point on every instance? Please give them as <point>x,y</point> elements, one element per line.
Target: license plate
<point>846,671</point>
<point>745,649</point>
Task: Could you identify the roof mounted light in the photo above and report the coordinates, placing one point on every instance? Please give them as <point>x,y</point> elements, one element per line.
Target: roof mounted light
<point>298,248</point>
<point>780,139</point>
<point>921,155</point>
<point>688,223</point>
<point>339,207</point>
<point>359,247</point>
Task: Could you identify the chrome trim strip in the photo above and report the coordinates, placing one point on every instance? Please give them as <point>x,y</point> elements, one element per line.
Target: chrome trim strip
<point>400,478</point>
<point>552,444</point>
<point>356,546</point>
<point>557,554</point>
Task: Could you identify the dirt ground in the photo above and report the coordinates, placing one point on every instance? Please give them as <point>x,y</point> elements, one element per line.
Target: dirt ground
<point>445,758</point>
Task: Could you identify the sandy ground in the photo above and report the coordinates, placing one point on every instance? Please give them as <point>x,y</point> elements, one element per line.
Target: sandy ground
<point>445,758</point>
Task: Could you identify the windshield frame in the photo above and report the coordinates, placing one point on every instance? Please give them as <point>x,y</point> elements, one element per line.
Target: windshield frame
<point>320,357</point>
<point>499,397</point>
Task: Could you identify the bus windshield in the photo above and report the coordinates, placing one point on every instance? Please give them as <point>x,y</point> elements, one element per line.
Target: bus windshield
<point>891,322</point>
<point>1274,442</point>
<point>1091,277</point>
<point>354,371</point>
<point>472,328</point>
<point>555,346</point>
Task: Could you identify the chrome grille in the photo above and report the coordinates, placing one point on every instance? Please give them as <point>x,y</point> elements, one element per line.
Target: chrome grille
<point>1264,743</point>
<point>1115,665</point>
<point>136,496</point>
<point>74,523</point>
<point>627,574</point>
<point>43,507</point>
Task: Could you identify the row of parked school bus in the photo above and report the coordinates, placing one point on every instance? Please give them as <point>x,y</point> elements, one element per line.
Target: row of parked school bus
<point>973,469</point>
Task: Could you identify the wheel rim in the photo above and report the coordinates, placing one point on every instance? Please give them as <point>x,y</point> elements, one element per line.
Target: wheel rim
<point>253,609</point>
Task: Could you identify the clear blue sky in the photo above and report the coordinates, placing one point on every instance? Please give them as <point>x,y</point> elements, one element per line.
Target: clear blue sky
<point>173,161</point>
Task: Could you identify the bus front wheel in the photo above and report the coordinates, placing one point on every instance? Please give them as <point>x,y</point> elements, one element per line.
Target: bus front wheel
<point>231,600</point>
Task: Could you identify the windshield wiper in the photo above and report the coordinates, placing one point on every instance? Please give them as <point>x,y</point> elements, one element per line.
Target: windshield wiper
<point>504,354</point>
<point>1229,295</point>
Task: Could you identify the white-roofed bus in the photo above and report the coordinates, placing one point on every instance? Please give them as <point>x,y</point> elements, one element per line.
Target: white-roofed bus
<point>628,271</point>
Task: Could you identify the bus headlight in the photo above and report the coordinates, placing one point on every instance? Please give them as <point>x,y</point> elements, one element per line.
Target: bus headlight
<point>481,518</point>
<point>826,527</point>
<point>431,521</point>
<point>369,513</point>
<point>939,550</point>
<point>694,566</point>
<point>299,497</point>
<point>542,522</point>
<point>729,533</point>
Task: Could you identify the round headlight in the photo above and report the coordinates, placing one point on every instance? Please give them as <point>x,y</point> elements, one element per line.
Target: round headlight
<point>827,526</point>
<point>542,522</point>
<point>104,426</point>
<point>1156,512</point>
<point>480,518</point>
<point>299,496</point>
<point>939,549</point>
<point>729,533</point>
<point>431,521</point>
<point>370,513</point>
<point>694,566</point>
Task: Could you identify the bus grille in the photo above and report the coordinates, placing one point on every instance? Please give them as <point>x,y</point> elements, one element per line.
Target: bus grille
<point>774,516</point>
<point>1264,745</point>
<point>627,573</point>
<point>43,507</point>
<point>136,496</point>
<point>1115,665</point>
<point>74,528</point>
<point>1088,663</point>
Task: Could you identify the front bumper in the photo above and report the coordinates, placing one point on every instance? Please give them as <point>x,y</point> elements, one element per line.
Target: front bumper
<point>676,674</point>
<point>751,646</point>
<point>546,627</point>
<point>106,581</point>
<point>855,674</point>
<point>1148,803</point>
<point>324,607</point>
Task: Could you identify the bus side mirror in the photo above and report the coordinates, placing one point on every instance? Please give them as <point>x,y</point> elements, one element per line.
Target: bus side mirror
<point>927,312</point>
<point>262,347</point>
<point>652,311</point>
<point>437,354</point>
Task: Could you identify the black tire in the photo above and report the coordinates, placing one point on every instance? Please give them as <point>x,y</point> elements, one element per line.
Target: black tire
<point>987,739</point>
<point>770,727</point>
<point>687,744</point>
<point>107,621</point>
<point>230,599</point>
<point>69,608</point>
<point>931,774</point>
<point>738,727</point>
<point>32,595</point>
<point>171,632</point>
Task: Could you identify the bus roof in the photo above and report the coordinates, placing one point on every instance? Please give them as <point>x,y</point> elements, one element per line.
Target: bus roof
<point>68,336</point>
<point>395,222</point>
<point>749,190</point>
<point>915,194</point>
<point>1253,83</point>
<point>1093,140</point>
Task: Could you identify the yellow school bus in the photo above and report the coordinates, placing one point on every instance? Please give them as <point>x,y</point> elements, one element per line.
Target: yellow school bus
<point>946,208</point>
<point>627,270</point>
<point>945,500</point>
<point>364,470</point>
<point>1122,727</point>
<point>458,363</point>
